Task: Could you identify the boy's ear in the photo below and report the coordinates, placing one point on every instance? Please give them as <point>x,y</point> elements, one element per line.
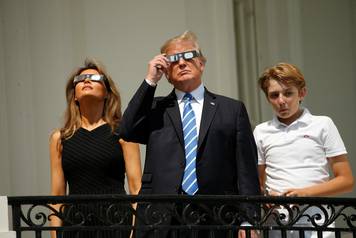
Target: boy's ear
<point>302,93</point>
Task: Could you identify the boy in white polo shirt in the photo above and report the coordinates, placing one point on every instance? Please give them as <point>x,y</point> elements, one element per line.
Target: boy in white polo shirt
<point>296,149</point>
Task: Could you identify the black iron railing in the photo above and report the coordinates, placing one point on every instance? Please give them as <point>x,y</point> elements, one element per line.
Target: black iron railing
<point>184,216</point>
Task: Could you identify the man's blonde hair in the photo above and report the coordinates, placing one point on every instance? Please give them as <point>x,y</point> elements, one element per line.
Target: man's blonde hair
<point>187,36</point>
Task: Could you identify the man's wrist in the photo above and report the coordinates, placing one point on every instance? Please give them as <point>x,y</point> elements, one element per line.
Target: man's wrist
<point>151,83</point>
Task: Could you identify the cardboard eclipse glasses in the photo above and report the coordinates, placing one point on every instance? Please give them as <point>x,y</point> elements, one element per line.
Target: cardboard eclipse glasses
<point>91,77</point>
<point>183,55</point>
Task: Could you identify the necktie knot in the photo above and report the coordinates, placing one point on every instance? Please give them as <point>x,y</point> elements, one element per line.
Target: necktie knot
<point>187,97</point>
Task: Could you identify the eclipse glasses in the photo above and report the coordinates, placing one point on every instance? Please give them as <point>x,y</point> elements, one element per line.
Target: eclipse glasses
<point>91,77</point>
<point>183,55</point>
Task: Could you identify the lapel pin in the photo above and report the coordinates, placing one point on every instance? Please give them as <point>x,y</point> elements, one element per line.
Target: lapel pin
<point>212,103</point>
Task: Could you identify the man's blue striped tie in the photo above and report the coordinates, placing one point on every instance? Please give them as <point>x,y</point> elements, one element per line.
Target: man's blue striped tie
<point>189,183</point>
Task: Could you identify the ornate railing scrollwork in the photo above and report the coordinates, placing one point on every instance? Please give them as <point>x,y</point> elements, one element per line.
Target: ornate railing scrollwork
<point>227,214</point>
<point>115,212</point>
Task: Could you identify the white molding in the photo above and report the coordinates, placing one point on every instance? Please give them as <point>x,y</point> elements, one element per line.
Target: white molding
<point>248,71</point>
<point>8,234</point>
<point>5,187</point>
<point>4,218</point>
<point>224,40</point>
<point>295,32</point>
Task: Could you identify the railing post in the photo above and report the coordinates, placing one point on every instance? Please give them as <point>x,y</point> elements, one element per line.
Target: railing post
<point>4,219</point>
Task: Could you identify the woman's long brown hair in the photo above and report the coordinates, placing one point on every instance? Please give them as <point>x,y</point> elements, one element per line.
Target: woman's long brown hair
<point>112,107</point>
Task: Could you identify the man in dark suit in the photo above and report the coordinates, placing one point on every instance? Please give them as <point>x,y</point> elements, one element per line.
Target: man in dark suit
<point>216,156</point>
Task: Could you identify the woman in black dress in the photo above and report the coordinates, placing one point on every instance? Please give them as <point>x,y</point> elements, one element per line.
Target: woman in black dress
<point>87,157</point>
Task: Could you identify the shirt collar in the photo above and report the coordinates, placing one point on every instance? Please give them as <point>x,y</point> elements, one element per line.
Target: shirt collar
<point>198,94</point>
<point>305,118</point>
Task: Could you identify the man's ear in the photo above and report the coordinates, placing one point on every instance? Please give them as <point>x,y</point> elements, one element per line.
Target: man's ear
<point>201,65</point>
<point>167,77</point>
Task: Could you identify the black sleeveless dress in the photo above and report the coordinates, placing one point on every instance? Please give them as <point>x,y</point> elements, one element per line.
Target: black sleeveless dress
<point>93,163</point>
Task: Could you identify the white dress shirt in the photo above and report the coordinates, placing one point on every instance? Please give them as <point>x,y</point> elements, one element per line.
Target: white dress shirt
<point>197,103</point>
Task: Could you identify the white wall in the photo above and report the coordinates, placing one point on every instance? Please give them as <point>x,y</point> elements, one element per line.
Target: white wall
<point>330,64</point>
<point>42,41</point>
<point>5,164</point>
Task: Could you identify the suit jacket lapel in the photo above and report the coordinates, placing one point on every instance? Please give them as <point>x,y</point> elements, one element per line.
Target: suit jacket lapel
<point>174,115</point>
<point>208,113</point>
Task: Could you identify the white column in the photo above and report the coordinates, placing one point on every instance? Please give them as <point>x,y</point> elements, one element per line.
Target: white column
<point>4,220</point>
